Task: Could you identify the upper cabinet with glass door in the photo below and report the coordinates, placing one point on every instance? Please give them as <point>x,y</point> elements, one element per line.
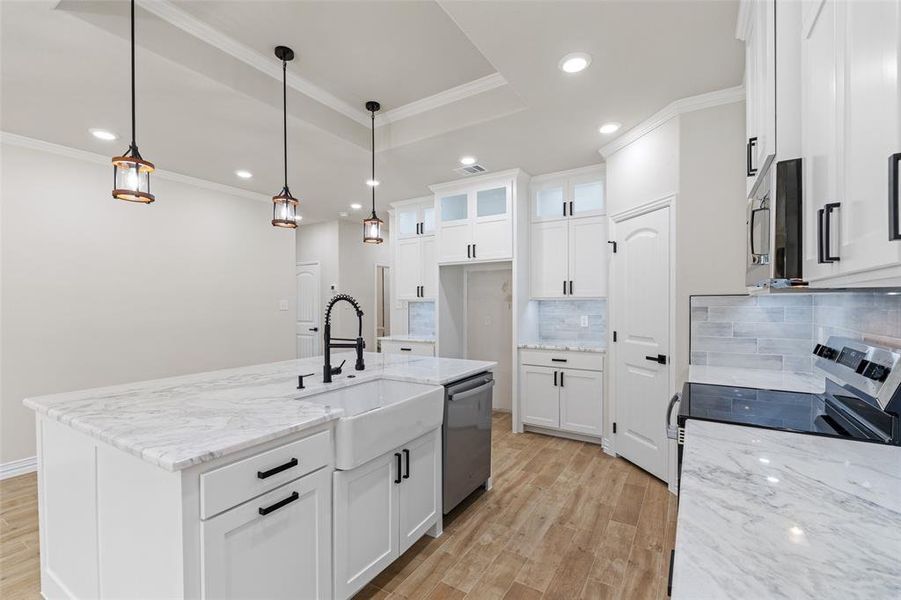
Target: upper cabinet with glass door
<point>576,193</point>
<point>415,217</point>
<point>475,217</point>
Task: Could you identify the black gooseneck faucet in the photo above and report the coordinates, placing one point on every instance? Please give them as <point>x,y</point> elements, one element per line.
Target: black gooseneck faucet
<point>328,370</point>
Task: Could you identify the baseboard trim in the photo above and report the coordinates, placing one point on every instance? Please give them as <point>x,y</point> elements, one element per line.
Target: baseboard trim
<point>15,468</point>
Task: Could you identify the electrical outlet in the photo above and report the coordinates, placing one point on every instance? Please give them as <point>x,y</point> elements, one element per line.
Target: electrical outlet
<point>283,305</point>
<point>584,322</point>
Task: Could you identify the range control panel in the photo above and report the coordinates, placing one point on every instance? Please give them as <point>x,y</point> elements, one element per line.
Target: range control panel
<point>855,360</point>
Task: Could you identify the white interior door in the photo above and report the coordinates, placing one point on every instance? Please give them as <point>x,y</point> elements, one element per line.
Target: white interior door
<point>307,328</point>
<point>642,321</point>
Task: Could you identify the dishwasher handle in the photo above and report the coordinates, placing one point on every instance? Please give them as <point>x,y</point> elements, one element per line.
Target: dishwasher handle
<point>473,392</point>
<point>672,431</point>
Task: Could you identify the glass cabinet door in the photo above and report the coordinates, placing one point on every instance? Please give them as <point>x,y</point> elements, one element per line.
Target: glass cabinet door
<point>454,208</point>
<point>547,203</point>
<point>407,218</point>
<point>428,219</point>
<point>491,202</point>
<point>587,198</point>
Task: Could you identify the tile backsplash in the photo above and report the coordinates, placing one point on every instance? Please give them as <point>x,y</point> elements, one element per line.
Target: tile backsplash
<point>778,331</point>
<point>421,319</point>
<point>560,321</point>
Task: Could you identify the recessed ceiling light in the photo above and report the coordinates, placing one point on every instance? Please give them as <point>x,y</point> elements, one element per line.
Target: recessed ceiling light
<point>103,134</point>
<point>372,182</point>
<point>575,62</point>
<point>343,213</point>
<point>608,128</point>
<point>468,160</point>
<point>356,206</point>
<point>243,174</point>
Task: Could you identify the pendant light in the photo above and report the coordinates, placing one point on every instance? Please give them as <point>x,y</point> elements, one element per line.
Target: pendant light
<point>131,173</point>
<point>372,226</point>
<point>284,205</point>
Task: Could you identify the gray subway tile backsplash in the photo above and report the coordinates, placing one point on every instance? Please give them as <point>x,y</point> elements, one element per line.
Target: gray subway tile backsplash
<point>778,331</point>
<point>560,321</point>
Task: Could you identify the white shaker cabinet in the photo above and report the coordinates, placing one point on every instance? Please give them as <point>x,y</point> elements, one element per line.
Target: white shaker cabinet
<point>382,508</point>
<point>548,260</point>
<point>415,266</point>
<point>562,390</point>
<point>758,31</point>
<point>569,258</point>
<point>850,138</point>
<point>275,546</point>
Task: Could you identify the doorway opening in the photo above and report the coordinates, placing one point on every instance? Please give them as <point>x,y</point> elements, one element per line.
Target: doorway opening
<point>382,303</point>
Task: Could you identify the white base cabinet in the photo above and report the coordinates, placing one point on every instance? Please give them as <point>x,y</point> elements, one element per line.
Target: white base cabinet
<point>382,508</point>
<point>113,525</point>
<point>562,391</point>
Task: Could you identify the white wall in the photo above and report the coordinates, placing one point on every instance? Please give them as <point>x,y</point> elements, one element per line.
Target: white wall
<point>489,326</point>
<point>645,170</point>
<point>97,291</point>
<point>349,264</point>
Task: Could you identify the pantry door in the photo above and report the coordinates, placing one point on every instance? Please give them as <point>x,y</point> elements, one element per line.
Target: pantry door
<point>307,327</point>
<point>641,302</point>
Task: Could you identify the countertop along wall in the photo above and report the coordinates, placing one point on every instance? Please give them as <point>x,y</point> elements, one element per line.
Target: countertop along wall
<point>96,291</point>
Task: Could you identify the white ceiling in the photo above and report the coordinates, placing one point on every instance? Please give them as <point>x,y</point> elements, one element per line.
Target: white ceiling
<point>209,88</point>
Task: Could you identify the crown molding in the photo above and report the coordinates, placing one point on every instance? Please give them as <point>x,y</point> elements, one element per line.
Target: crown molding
<point>674,109</point>
<point>169,12</point>
<point>743,22</point>
<point>467,181</point>
<point>449,96</point>
<point>21,141</point>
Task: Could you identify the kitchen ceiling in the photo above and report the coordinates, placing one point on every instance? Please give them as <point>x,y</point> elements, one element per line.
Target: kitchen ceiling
<point>454,78</point>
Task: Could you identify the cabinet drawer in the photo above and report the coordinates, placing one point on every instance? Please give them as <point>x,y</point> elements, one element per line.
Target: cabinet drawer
<point>591,361</point>
<point>233,484</point>
<point>415,348</point>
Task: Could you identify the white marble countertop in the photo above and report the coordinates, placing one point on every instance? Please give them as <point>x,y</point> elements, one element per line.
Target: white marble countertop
<point>177,422</point>
<point>774,514</point>
<point>564,347</point>
<point>757,378</point>
<point>408,338</point>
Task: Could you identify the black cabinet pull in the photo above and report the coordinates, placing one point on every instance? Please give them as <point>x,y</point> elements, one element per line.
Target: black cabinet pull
<point>275,470</point>
<point>555,378</point>
<point>406,349</point>
<point>752,142</point>
<point>397,457</point>
<point>406,463</point>
<point>669,583</point>
<point>265,510</point>
<point>820,256</point>
<point>825,230</point>
<point>473,250</point>
<point>564,287</point>
<point>558,360</point>
<point>660,358</point>
<point>570,287</point>
<point>894,182</point>
<point>561,378</point>
<point>564,208</point>
<point>570,208</point>
<point>468,250</point>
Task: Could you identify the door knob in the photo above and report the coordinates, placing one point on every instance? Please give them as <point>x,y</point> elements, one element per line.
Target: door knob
<point>660,358</point>
<point>314,329</point>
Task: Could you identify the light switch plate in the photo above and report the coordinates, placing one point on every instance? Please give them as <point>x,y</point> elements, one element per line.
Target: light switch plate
<point>584,321</point>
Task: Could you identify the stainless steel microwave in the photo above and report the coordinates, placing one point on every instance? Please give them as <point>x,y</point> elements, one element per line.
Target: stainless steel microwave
<point>774,226</point>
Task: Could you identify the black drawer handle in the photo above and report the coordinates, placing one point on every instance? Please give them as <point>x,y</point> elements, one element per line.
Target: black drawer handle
<point>894,229</point>
<point>397,456</point>
<point>406,349</point>
<point>558,360</point>
<point>275,470</point>
<point>268,509</point>
<point>406,463</point>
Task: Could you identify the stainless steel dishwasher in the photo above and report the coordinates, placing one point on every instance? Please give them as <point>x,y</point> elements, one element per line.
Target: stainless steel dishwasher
<point>466,437</point>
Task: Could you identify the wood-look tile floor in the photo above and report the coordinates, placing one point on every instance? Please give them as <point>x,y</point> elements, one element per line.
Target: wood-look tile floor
<point>563,520</point>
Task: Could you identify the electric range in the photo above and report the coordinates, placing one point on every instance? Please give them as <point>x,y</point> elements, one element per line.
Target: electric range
<point>861,400</point>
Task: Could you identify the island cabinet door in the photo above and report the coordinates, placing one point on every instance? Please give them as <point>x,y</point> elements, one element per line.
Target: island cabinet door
<point>418,501</point>
<point>365,522</point>
<point>540,396</point>
<point>275,546</point>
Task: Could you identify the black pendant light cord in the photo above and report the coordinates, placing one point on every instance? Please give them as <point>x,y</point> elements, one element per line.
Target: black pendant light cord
<point>133,146</point>
<point>373,161</point>
<point>285,116</point>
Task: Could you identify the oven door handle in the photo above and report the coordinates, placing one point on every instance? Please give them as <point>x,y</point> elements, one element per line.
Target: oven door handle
<point>672,431</point>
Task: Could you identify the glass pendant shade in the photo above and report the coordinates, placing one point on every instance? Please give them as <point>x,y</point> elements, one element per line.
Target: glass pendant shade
<point>131,177</point>
<point>284,209</point>
<point>372,230</point>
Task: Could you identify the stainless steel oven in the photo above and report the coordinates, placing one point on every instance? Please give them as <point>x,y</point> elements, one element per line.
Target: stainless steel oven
<point>774,227</point>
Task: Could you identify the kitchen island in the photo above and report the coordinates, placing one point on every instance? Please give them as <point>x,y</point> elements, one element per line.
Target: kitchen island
<point>221,484</point>
<point>774,514</point>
